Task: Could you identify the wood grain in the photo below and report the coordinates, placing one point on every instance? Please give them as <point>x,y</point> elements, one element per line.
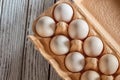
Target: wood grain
<point>1,8</point>
<point>18,58</point>
<point>53,75</point>
<point>12,29</point>
<point>34,66</point>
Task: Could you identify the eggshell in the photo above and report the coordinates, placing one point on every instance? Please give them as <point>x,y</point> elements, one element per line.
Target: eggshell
<point>108,64</point>
<point>75,62</point>
<point>63,12</point>
<point>93,46</point>
<point>90,75</point>
<point>60,44</point>
<point>45,26</point>
<point>78,29</point>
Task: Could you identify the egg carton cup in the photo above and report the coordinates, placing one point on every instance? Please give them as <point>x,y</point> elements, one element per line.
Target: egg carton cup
<point>58,61</point>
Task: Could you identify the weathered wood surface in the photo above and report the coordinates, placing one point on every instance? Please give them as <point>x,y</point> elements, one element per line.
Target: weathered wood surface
<point>18,58</point>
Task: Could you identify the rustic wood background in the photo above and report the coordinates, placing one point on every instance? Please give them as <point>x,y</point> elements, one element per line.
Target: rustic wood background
<point>18,58</point>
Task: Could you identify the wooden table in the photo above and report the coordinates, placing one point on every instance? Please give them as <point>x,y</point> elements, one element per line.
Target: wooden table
<point>18,58</point>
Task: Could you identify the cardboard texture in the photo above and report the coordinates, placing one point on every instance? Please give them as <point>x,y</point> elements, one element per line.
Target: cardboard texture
<point>107,13</point>
<point>103,22</point>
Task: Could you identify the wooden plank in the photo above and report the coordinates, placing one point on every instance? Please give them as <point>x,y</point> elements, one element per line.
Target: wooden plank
<point>12,29</point>
<point>35,67</point>
<point>1,8</point>
<point>54,75</point>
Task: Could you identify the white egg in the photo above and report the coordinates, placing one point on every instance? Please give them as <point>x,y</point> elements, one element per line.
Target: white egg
<point>78,29</point>
<point>75,62</point>
<point>117,77</point>
<point>60,44</point>
<point>108,64</point>
<point>90,75</point>
<point>63,12</point>
<point>93,46</point>
<point>45,26</point>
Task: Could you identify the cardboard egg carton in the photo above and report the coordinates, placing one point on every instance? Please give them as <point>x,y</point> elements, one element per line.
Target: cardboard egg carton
<point>58,61</point>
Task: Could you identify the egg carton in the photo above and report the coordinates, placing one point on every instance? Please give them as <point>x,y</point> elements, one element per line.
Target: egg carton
<point>94,66</point>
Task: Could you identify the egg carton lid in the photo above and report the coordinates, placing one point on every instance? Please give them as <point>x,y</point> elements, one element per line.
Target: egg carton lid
<point>106,15</point>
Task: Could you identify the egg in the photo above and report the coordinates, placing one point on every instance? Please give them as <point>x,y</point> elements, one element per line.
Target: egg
<point>45,26</point>
<point>117,77</point>
<point>78,29</point>
<point>90,75</point>
<point>93,46</point>
<point>63,12</point>
<point>75,61</point>
<point>108,64</point>
<point>60,45</point>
